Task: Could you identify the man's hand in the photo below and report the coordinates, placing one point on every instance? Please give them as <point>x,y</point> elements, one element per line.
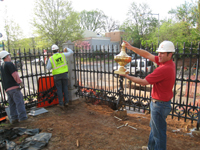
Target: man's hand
<point>127,45</point>
<point>21,85</point>
<point>124,75</point>
<point>65,50</point>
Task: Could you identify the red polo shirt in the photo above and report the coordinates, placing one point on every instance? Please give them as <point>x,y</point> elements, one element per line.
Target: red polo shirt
<point>162,79</point>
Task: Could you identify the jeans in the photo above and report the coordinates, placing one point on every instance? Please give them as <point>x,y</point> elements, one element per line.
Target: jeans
<point>61,83</point>
<point>158,136</point>
<point>16,105</point>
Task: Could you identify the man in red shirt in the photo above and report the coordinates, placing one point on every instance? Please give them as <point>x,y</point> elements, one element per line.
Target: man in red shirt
<point>162,79</point>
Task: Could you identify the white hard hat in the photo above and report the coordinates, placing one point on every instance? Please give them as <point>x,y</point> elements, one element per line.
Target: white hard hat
<point>54,47</point>
<point>3,54</point>
<point>166,46</point>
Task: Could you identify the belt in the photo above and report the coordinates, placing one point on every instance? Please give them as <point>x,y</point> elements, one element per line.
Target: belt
<point>155,100</point>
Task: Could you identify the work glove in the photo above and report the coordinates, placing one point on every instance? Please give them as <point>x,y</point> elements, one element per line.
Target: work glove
<point>21,85</point>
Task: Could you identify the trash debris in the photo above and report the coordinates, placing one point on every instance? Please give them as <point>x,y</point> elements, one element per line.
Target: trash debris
<point>124,125</point>
<point>36,141</point>
<point>120,126</point>
<point>191,133</point>
<point>177,130</point>
<point>36,111</point>
<point>195,133</point>
<point>77,143</point>
<point>119,119</point>
<point>132,127</point>
<point>192,130</point>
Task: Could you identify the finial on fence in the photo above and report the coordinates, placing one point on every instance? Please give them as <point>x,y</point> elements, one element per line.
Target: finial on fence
<point>122,59</point>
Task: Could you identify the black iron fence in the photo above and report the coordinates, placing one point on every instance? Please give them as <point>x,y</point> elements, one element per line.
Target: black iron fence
<point>96,81</point>
<point>31,66</point>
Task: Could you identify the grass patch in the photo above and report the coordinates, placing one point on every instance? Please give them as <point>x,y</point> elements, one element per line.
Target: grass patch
<point>3,125</point>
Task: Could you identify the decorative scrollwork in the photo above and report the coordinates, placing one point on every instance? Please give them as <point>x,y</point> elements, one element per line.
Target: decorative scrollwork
<point>179,110</point>
<point>193,112</point>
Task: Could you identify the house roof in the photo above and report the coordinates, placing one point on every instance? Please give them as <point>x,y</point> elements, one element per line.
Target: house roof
<point>88,33</point>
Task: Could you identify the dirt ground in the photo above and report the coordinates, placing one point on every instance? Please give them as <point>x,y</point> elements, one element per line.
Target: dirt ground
<point>85,126</point>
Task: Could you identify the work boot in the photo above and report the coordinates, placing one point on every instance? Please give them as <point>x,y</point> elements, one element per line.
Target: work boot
<point>61,106</point>
<point>145,148</point>
<point>15,121</point>
<point>24,121</point>
<point>66,105</point>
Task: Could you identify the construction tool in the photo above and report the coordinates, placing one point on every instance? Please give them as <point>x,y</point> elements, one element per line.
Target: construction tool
<point>124,125</point>
<point>120,126</point>
<point>132,127</point>
<point>119,119</point>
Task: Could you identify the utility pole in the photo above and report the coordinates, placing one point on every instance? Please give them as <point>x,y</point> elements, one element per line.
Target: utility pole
<point>3,45</point>
<point>198,22</point>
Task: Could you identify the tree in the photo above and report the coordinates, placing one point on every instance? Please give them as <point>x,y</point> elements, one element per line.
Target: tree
<point>82,45</point>
<point>94,20</point>
<point>55,20</point>
<point>179,32</point>
<point>14,34</point>
<point>140,24</point>
<point>42,42</point>
<point>130,33</point>
<point>185,28</point>
<point>110,25</point>
<point>186,12</point>
<point>198,15</point>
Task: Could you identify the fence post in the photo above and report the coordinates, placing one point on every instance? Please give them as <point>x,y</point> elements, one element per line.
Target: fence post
<point>71,77</point>
<point>198,121</point>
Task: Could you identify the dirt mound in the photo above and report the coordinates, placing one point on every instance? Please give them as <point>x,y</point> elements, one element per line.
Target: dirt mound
<point>93,127</point>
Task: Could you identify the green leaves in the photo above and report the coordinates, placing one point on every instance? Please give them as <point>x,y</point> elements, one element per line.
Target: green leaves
<point>143,27</point>
<point>92,20</point>
<point>55,20</point>
<point>97,21</point>
<point>140,25</point>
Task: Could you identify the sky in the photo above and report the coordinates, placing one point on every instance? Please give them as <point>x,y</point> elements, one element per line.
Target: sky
<point>21,11</point>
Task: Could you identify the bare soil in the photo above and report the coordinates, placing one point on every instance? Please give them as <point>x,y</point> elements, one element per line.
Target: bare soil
<point>86,126</point>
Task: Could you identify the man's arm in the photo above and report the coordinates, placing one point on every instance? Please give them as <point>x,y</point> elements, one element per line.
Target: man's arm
<point>135,79</point>
<point>10,67</point>
<point>49,67</point>
<point>16,77</point>
<point>140,52</point>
